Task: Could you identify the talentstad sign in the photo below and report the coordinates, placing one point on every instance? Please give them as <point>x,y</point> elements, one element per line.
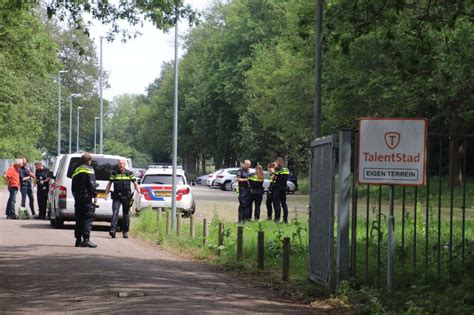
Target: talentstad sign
<point>392,151</point>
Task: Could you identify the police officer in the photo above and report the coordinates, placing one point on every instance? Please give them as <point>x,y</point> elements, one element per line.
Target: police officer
<point>85,197</point>
<point>269,200</point>
<point>256,192</point>
<point>42,185</point>
<point>122,195</point>
<point>279,178</point>
<point>242,179</point>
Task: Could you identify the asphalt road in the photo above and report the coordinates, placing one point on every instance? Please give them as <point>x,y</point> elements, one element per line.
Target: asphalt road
<point>41,271</point>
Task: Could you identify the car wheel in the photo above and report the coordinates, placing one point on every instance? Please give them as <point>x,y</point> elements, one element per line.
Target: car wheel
<point>215,185</point>
<point>228,186</point>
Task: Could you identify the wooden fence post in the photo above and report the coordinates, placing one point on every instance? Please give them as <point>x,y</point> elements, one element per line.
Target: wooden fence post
<point>205,232</point>
<point>178,224</point>
<point>168,222</point>
<point>261,250</point>
<point>240,241</point>
<point>192,232</point>
<point>286,259</point>
<point>220,240</point>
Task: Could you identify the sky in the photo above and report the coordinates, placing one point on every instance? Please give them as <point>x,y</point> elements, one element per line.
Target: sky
<point>133,65</point>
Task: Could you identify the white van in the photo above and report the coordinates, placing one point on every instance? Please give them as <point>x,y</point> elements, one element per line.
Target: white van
<point>62,203</point>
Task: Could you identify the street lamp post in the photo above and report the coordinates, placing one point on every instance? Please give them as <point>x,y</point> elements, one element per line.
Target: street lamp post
<point>101,83</point>
<point>95,134</point>
<point>70,119</point>
<point>78,125</point>
<point>59,109</point>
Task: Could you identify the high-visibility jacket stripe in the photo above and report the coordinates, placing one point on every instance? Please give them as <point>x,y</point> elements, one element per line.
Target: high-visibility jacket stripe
<point>81,170</point>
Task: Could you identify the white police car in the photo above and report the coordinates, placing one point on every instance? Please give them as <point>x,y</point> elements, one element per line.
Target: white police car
<point>157,190</point>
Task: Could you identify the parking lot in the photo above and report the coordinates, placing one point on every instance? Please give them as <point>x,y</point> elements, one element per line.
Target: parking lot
<point>211,202</point>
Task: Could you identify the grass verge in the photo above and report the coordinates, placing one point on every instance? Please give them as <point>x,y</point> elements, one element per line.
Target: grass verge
<point>414,293</point>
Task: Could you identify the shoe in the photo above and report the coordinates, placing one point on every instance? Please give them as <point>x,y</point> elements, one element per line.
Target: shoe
<point>88,243</point>
<point>112,234</point>
<point>78,242</point>
<point>40,217</point>
<point>125,234</point>
<point>12,217</point>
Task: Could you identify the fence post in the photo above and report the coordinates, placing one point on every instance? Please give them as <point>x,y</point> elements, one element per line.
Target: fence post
<point>240,241</point>
<point>261,250</point>
<point>192,232</point>
<point>205,232</point>
<point>158,216</point>
<point>220,240</point>
<point>168,222</point>
<point>286,259</point>
<point>178,224</point>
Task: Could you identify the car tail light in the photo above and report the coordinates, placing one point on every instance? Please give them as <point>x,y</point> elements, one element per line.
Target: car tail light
<point>62,194</point>
<point>183,191</point>
<point>220,176</point>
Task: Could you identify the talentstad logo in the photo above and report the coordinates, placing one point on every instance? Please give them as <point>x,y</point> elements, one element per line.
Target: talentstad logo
<point>392,139</point>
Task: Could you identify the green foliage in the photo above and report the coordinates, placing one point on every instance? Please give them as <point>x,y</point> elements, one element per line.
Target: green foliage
<point>27,56</point>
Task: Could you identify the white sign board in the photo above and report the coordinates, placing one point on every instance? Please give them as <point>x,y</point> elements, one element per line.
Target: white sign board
<point>392,151</point>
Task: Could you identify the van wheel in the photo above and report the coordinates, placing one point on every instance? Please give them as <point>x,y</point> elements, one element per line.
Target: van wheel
<point>58,223</point>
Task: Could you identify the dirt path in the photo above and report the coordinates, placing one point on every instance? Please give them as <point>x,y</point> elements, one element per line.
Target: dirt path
<point>41,271</point>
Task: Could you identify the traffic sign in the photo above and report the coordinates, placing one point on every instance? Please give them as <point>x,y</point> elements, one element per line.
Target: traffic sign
<point>392,151</point>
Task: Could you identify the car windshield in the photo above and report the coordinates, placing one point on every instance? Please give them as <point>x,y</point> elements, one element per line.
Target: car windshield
<point>162,179</point>
<point>103,167</point>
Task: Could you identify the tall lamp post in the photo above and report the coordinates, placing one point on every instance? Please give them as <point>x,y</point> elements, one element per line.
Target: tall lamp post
<point>175,128</point>
<point>59,109</point>
<point>78,125</point>
<point>95,134</point>
<point>70,119</point>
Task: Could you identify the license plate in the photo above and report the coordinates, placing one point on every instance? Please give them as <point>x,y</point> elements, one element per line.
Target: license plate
<point>101,194</point>
<point>162,193</point>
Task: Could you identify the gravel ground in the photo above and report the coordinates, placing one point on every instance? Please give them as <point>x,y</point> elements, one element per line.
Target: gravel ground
<point>42,272</point>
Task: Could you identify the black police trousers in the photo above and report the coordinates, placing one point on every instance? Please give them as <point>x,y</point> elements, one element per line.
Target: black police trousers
<point>254,196</point>
<point>279,201</point>
<point>42,197</point>
<point>116,203</point>
<point>268,203</point>
<point>244,212</point>
<point>84,211</point>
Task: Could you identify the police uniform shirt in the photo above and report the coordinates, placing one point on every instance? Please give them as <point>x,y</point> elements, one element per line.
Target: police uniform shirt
<point>241,173</point>
<point>42,175</point>
<point>83,182</point>
<point>122,182</point>
<point>280,176</point>
<point>255,182</point>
